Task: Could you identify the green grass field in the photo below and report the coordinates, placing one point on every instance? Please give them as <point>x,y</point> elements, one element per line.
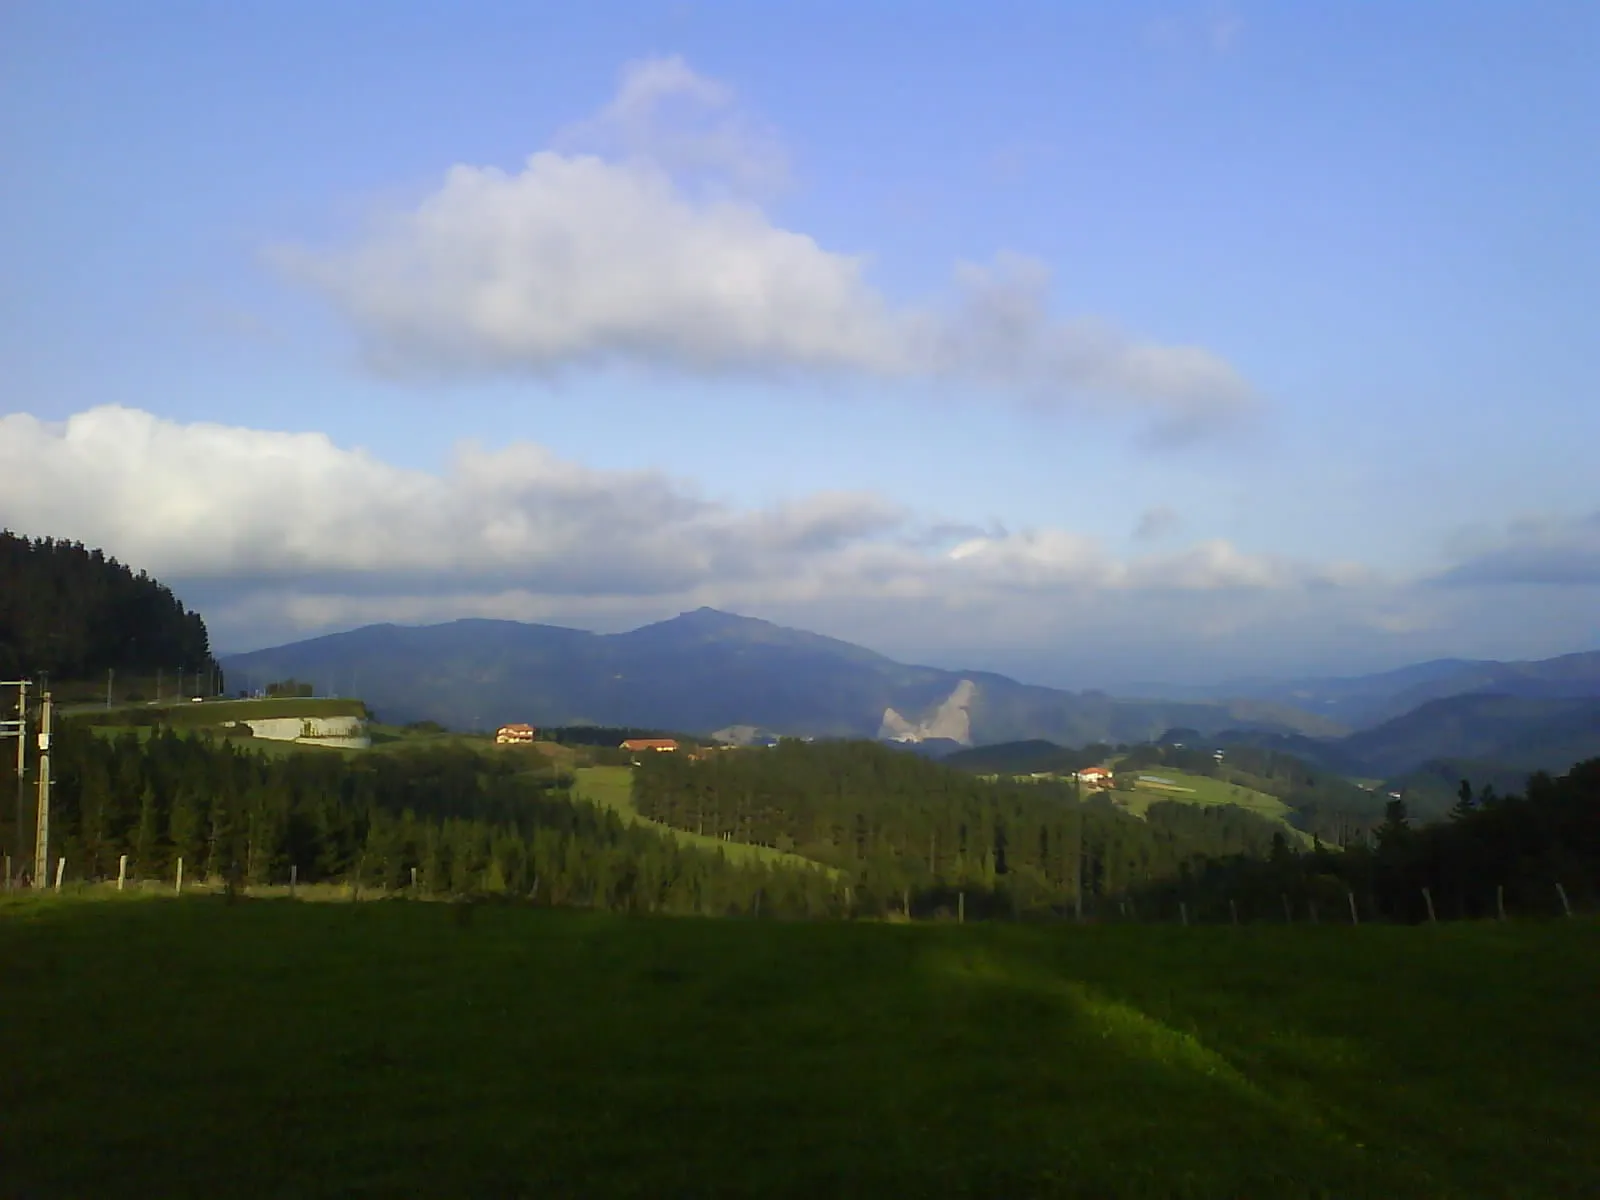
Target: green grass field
<point>1201,789</point>
<point>612,787</point>
<point>267,1048</point>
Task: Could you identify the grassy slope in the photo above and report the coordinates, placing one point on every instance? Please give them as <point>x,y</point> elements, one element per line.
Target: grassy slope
<point>275,1049</point>
<point>612,787</point>
<point>1200,789</point>
<point>1203,790</point>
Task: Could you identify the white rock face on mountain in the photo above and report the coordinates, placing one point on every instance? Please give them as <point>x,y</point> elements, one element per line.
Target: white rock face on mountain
<point>952,720</point>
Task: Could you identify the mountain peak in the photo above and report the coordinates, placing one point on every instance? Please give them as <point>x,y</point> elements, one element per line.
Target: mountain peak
<point>708,620</point>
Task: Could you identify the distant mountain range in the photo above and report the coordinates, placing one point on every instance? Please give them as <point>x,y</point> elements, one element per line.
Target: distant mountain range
<point>1500,734</point>
<point>1361,701</point>
<point>705,671</point>
<point>710,672</point>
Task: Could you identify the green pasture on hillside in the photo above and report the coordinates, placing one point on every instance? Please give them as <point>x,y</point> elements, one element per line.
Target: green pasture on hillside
<point>612,787</point>
<point>196,1048</point>
<point>1201,789</point>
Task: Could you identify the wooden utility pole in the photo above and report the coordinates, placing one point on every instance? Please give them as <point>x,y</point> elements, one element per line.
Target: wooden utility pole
<point>21,724</point>
<point>41,833</point>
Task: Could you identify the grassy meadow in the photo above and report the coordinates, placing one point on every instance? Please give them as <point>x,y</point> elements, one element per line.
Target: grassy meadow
<point>270,1048</point>
<point>1202,789</point>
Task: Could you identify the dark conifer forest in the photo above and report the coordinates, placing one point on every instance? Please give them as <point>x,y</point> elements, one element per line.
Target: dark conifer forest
<point>468,822</point>
<point>71,613</point>
<point>914,833</point>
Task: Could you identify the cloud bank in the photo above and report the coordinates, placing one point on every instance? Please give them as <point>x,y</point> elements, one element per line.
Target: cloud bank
<point>633,240</point>
<point>278,535</point>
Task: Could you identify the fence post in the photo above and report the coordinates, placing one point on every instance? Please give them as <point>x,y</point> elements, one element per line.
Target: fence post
<point>8,872</point>
<point>1183,912</point>
<point>1500,900</point>
<point>1312,904</point>
<point>961,908</point>
<point>1288,913</point>
<point>1427,894</point>
<point>294,878</point>
<point>1233,910</point>
<point>413,879</point>
<point>1566,905</point>
<point>179,889</point>
<point>61,866</point>
<point>122,871</point>
<point>1355,917</point>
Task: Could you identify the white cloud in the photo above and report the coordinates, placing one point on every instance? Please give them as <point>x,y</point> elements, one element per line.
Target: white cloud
<point>275,534</point>
<point>668,115</point>
<point>603,250</point>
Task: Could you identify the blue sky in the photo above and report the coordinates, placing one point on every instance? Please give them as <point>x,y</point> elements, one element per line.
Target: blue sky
<point>1095,343</point>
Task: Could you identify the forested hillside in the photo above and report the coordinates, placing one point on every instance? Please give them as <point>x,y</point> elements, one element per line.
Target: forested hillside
<point>1324,804</point>
<point>468,821</point>
<point>913,833</point>
<point>73,612</point>
<point>1535,852</point>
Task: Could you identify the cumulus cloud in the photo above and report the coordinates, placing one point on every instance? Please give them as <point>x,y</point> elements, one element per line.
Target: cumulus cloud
<point>316,534</point>
<point>667,114</point>
<point>607,248</point>
<point>1533,550</point>
<point>210,501</point>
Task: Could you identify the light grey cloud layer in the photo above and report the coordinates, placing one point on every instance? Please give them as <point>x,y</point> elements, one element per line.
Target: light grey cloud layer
<point>283,534</point>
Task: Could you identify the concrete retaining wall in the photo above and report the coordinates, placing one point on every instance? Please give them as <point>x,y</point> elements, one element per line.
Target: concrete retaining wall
<point>347,732</point>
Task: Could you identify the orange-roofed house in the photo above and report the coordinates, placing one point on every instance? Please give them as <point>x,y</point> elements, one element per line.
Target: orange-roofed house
<point>514,735</point>
<point>1095,776</point>
<point>634,745</point>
